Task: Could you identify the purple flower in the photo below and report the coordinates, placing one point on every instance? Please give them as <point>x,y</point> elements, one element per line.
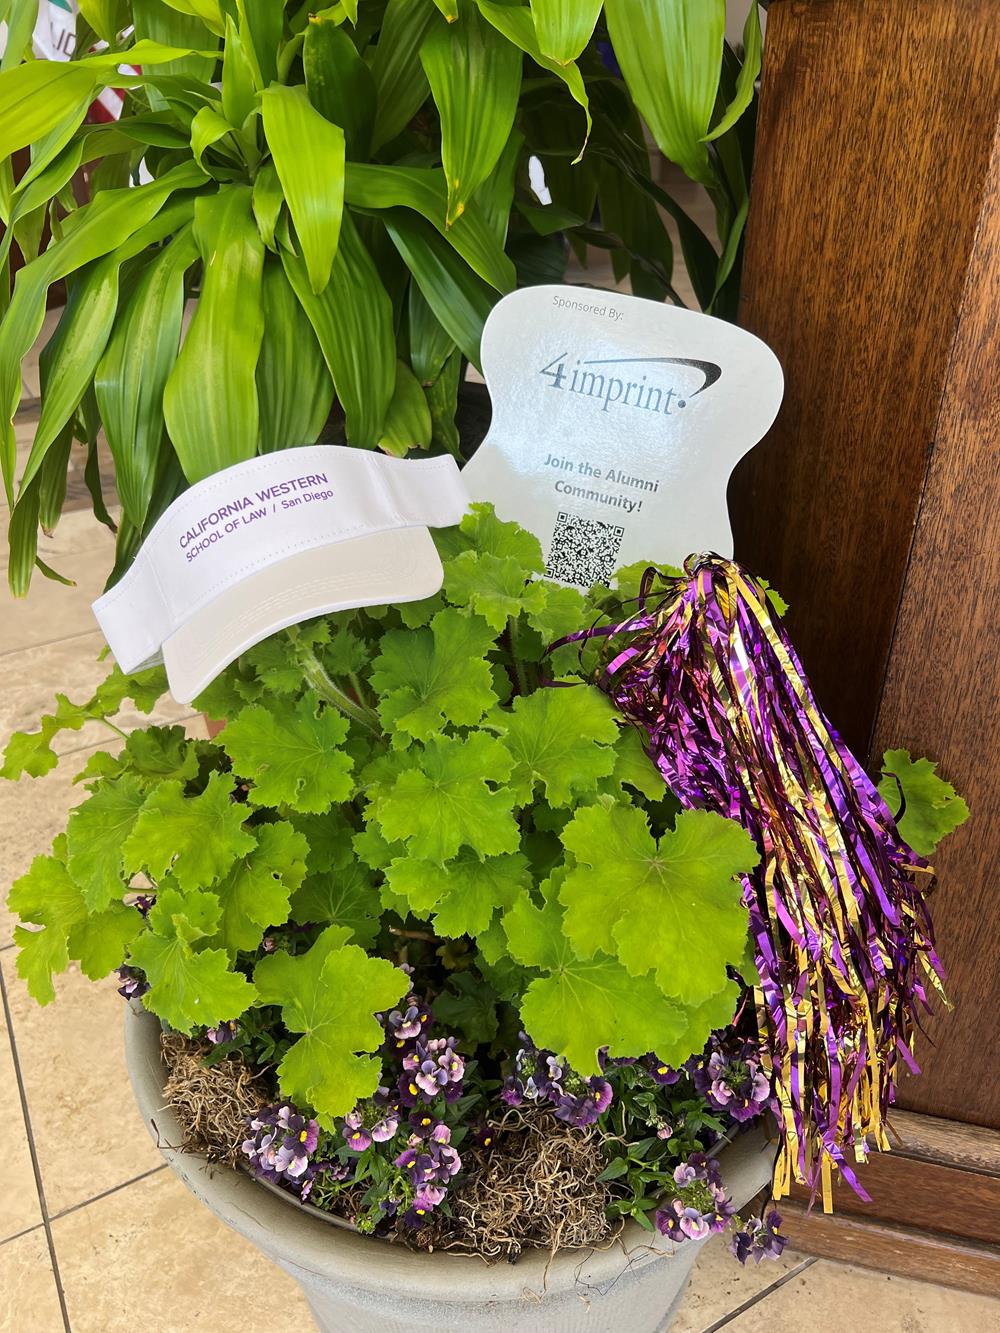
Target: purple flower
<point>133,984</point>
<point>385,1129</point>
<point>771,1242</point>
<point>512,1092</point>
<point>741,1245</point>
<point>668,1224</point>
<point>729,1076</point>
<point>693,1224</point>
<point>759,1240</point>
<point>417,1213</point>
<point>282,1143</point>
<point>584,1108</point>
<point>429,1162</point>
<point>484,1136</point>
<point>661,1072</point>
<point>431,1068</point>
<point>665,1131</point>
<point>355,1132</point>
<point>406,1025</point>
<point>222,1033</point>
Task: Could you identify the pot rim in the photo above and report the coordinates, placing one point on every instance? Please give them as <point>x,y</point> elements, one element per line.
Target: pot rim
<point>306,1245</point>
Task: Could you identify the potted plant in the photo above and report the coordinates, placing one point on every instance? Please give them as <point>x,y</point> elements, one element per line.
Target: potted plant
<point>411,890</point>
<point>424,896</point>
<point>342,195</point>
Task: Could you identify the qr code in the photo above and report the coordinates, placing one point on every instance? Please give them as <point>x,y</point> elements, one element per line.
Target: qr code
<point>583,551</point>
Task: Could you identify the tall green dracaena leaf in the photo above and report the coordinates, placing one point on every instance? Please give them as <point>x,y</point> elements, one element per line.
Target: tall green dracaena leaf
<point>70,361</point>
<point>408,421</point>
<point>21,17</point>
<point>157,21</point>
<point>460,60</point>
<point>210,400</point>
<point>423,189</point>
<point>670,52</point>
<point>400,84</point>
<point>564,27</point>
<point>308,153</point>
<point>208,12</point>
<point>240,75</point>
<point>265,23</point>
<point>458,299</point>
<point>37,97</point>
<point>339,83</point>
<point>353,322</point>
<point>107,17</point>
<point>99,227</point>
<point>753,41</point>
<point>293,384</point>
<point>133,371</point>
<point>515,23</point>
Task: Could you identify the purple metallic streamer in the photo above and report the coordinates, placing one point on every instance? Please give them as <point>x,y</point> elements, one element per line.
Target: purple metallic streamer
<point>841,931</point>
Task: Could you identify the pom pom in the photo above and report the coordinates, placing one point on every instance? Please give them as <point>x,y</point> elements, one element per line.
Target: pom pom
<point>840,932</point>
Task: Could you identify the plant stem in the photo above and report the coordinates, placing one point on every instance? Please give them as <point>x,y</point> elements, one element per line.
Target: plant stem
<point>316,676</point>
<point>358,688</point>
<point>117,730</point>
<point>519,673</point>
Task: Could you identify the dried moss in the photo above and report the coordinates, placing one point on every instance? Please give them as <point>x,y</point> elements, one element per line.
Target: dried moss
<point>538,1187</point>
<point>211,1102</point>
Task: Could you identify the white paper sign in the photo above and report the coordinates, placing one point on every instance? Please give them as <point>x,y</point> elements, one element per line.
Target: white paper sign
<point>616,424</point>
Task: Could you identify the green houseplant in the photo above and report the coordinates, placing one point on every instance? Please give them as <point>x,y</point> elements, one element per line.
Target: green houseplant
<point>344,193</point>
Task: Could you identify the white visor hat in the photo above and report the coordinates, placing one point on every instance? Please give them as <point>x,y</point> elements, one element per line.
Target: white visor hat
<point>271,542</point>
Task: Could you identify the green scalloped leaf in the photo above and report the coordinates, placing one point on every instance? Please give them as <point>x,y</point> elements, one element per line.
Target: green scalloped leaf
<point>196,838</point>
<point>95,835</point>
<point>255,892</point>
<point>330,994</point>
<point>293,755</point>
<point>428,677</point>
<point>46,897</point>
<point>560,739</point>
<point>447,803</point>
<point>933,808</point>
<point>344,895</point>
<point>672,908</point>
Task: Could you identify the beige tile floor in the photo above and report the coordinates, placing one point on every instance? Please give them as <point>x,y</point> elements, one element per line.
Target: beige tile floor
<point>96,1235</point>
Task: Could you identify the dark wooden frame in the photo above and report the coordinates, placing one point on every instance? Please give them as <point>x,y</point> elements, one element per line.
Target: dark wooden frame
<point>873,270</point>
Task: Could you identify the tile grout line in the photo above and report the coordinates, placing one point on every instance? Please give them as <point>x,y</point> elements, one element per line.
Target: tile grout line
<point>18,1234</point>
<point>50,643</point>
<point>760,1296</point>
<point>85,1203</point>
<point>36,1168</point>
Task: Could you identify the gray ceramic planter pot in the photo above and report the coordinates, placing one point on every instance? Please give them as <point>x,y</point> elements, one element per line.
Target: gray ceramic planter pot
<point>355,1284</point>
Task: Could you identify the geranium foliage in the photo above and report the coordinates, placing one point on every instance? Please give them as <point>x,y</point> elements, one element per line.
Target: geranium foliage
<point>428,771</point>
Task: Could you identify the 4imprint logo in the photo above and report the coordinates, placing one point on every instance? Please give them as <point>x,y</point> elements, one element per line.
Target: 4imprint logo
<point>613,387</point>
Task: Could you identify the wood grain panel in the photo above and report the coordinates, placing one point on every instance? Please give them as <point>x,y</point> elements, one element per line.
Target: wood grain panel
<point>941,694</point>
<point>949,1260</point>
<point>874,143</point>
<point>968,1202</point>
<point>932,1139</point>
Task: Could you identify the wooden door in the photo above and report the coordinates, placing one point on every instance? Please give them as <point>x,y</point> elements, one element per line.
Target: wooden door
<point>873,270</point>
